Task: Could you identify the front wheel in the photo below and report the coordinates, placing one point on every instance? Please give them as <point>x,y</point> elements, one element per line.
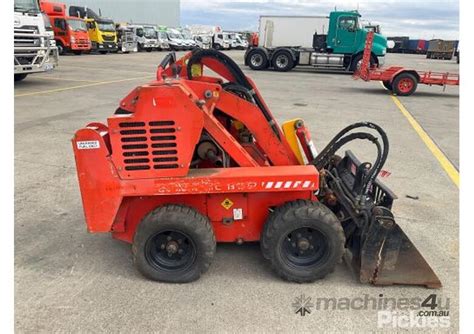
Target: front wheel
<point>303,241</point>
<point>78,53</point>
<point>174,243</point>
<point>103,52</point>
<point>405,84</point>
<point>20,77</point>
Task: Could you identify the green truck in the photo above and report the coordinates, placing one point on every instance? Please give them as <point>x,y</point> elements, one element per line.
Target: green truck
<point>334,42</point>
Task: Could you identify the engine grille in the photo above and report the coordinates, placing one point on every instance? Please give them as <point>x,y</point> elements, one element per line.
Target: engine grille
<point>22,38</point>
<point>149,146</point>
<point>108,38</point>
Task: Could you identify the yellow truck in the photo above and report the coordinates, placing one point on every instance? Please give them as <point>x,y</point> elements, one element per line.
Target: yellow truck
<point>101,30</point>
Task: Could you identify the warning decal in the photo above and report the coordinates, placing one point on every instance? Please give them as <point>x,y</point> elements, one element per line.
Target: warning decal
<point>227,203</point>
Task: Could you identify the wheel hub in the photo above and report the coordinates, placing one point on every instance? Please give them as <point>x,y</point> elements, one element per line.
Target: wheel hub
<point>305,247</point>
<point>172,247</point>
<point>303,244</point>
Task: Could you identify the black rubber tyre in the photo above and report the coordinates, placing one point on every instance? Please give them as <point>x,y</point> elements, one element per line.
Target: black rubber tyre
<point>297,224</point>
<point>103,52</point>
<point>61,49</point>
<point>257,60</point>
<point>21,76</point>
<point>78,53</point>
<point>174,243</point>
<point>387,85</point>
<point>404,84</point>
<point>149,50</point>
<point>217,47</point>
<point>358,59</point>
<point>282,61</point>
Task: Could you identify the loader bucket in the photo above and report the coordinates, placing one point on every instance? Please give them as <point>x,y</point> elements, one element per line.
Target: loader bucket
<point>387,256</point>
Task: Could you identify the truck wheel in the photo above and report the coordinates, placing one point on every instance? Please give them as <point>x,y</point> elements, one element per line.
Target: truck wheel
<point>303,240</point>
<point>149,50</point>
<point>357,62</point>
<point>257,60</point>
<point>103,52</point>
<point>282,61</point>
<point>21,76</point>
<point>174,243</point>
<point>217,47</point>
<point>404,84</point>
<point>77,53</point>
<point>61,49</point>
<point>388,85</point>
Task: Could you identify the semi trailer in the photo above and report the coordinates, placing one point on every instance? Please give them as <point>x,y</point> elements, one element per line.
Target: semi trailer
<point>334,42</point>
<point>34,48</point>
<point>70,32</point>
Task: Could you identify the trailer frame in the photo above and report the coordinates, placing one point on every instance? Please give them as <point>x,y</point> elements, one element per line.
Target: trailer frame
<point>398,79</point>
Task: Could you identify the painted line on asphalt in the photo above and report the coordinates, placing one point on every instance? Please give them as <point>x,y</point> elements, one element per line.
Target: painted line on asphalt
<point>79,86</point>
<point>435,150</point>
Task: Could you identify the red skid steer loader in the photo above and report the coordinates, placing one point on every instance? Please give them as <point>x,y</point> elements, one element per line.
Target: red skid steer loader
<point>189,160</point>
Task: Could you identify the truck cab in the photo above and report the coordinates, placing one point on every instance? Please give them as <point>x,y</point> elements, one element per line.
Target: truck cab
<point>221,41</point>
<point>147,37</point>
<point>163,43</point>
<point>126,39</point>
<point>34,47</point>
<point>175,40</point>
<point>70,33</point>
<point>101,30</point>
<point>203,41</point>
<point>341,47</point>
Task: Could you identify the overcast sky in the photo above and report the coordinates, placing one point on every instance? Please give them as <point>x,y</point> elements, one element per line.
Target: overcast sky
<point>417,19</point>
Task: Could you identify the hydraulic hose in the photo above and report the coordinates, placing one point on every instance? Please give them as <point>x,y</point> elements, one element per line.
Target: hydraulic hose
<point>342,139</point>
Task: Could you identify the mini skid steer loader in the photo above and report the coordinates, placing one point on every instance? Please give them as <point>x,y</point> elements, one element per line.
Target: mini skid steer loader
<point>189,160</point>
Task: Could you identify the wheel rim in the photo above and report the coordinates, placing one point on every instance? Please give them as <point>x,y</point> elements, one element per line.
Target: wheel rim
<point>305,247</point>
<point>170,250</point>
<point>405,85</point>
<point>281,61</point>
<point>256,60</point>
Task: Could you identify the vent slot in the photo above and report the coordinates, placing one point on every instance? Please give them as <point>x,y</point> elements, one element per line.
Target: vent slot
<point>133,139</point>
<point>131,124</point>
<point>168,166</point>
<point>163,145</point>
<point>134,147</point>
<point>132,132</point>
<point>170,159</point>
<point>161,123</point>
<point>168,152</point>
<point>164,130</point>
<point>158,138</point>
<point>139,167</point>
<point>136,161</point>
<point>135,154</point>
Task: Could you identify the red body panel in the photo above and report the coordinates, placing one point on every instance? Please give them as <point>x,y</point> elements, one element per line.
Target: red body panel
<point>143,158</point>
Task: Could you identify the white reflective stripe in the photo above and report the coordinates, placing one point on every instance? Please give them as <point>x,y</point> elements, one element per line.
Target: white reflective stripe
<point>288,184</point>
<point>278,184</point>
<point>297,184</point>
<point>269,185</point>
<point>306,184</point>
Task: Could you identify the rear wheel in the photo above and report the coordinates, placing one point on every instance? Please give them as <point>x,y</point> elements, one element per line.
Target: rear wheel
<point>303,240</point>
<point>174,243</point>
<point>61,49</point>
<point>282,61</point>
<point>21,76</point>
<point>77,53</point>
<point>257,59</point>
<point>405,84</point>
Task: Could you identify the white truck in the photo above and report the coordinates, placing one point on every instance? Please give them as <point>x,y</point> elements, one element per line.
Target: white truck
<point>34,48</point>
<point>219,39</point>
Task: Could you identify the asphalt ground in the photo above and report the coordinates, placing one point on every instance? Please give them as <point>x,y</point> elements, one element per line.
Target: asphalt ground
<point>67,280</point>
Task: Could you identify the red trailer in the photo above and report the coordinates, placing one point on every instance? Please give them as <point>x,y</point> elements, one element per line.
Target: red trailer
<point>400,80</point>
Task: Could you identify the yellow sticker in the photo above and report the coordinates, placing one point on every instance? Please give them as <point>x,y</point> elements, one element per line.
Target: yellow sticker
<point>227,203</point>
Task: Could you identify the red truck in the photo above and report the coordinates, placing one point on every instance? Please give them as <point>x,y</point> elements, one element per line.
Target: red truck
<point>70,32</point>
